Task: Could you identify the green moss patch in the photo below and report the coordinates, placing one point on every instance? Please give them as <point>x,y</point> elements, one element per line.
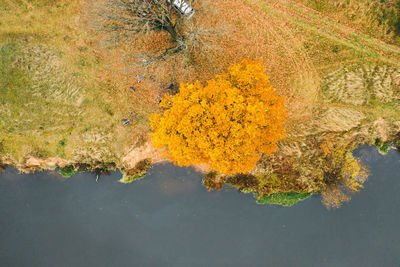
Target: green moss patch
<point>283,199</point>
<point>129,179</point>
<point>67,172</point>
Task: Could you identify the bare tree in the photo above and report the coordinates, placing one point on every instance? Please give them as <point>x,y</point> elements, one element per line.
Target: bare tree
<point>130,20</point>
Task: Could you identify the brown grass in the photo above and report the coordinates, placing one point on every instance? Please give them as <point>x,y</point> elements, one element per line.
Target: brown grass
<point>246,33</point>
<point>298,46</point>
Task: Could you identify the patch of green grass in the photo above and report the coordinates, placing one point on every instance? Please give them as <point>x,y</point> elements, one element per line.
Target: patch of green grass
<point>380,19</point>
<point>382,147</point>
<point>397,144</point>
<point>61,148</point>
<point>389,111</point>
<point>129,179</point>
<point>11,78</point>
<point>41,104</point>
<point>283,199</point>
<point>1,148</point>
<point>67,171</point>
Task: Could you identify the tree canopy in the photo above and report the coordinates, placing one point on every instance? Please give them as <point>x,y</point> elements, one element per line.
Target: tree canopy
<point>225,123</point>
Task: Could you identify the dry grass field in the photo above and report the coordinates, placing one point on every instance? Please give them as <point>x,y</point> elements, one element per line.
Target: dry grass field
<point>380,19</point>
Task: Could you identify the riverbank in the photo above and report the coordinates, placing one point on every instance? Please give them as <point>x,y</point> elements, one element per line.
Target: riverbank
<point>67,99</point>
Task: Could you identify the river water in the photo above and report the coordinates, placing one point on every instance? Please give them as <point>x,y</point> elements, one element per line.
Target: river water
<point>169,219</point>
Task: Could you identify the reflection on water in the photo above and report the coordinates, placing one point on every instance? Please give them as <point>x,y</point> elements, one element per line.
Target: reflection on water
<point>173,187</point>
<point>169,219</point>
<point>368,158</point>
<point>180,183</point>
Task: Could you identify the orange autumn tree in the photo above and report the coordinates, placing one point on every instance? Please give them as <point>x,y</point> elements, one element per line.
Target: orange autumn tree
<point>225,123</point>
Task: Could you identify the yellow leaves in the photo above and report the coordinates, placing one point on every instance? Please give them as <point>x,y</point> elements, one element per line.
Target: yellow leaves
<point>354,174</point>
<point>354,186</point>
<point>341,175</point>
<point>326,147</point>
<point>225,123</point>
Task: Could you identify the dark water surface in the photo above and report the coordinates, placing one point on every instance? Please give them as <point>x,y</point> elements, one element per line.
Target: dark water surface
<point>169,219</point>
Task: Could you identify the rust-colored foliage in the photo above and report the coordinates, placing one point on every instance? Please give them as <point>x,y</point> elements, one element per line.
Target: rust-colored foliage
<point>225,123</point>
<point>214,181</point>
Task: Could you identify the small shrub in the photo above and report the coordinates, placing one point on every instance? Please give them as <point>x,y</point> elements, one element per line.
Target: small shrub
<point>67,171</point>
<point>382,146</point>
<point>341,175</point>
<point>60,150</point>
<point>213,181</point>
<point>397,144</point>
<point>137,173</point>
<point>244,182</point>
<point>62,142</point>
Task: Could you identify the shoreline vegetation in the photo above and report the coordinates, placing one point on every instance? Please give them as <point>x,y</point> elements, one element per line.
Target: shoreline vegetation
<point>72,96</point>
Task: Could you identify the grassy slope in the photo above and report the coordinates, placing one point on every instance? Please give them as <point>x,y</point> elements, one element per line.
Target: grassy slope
<point>380,19</point>
<point>52,103</point>
<point>352,59</point>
